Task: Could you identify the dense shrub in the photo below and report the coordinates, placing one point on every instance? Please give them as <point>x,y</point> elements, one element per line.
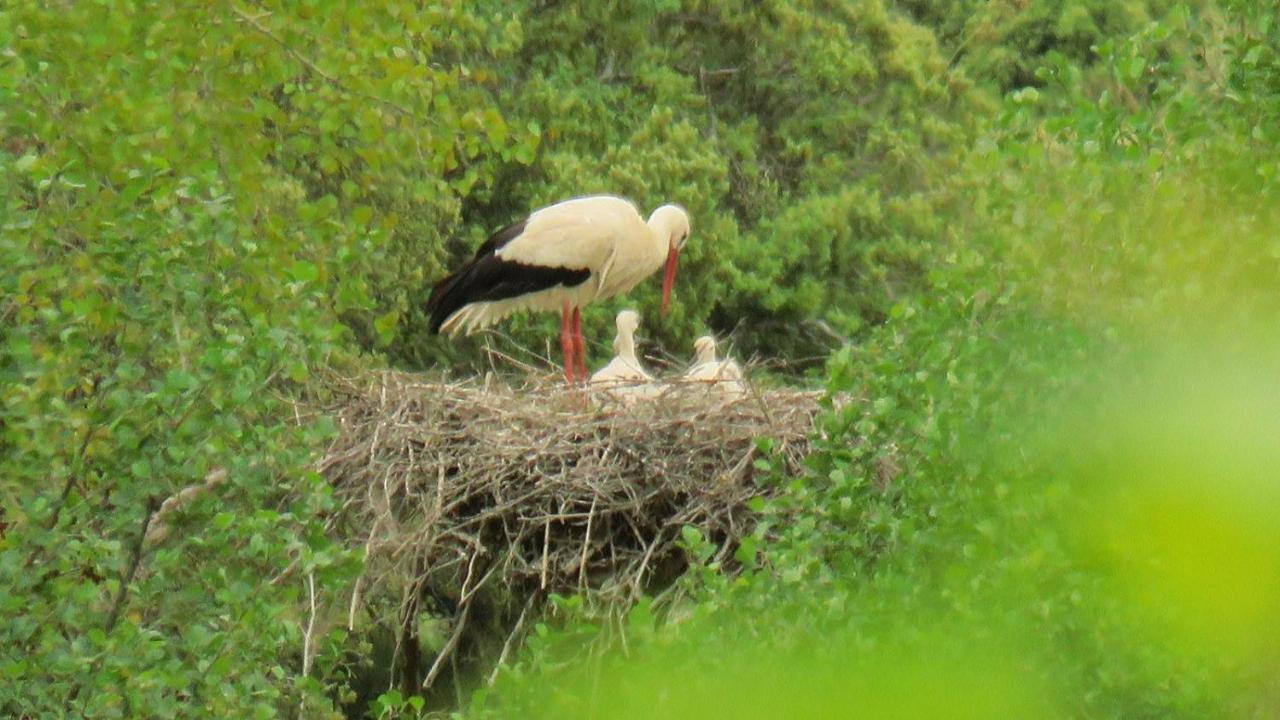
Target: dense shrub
<point>191,199</point>
<point>1005,42</point>
<point>1044,460</point>
<point>995,211</point>
<point>778,124</point>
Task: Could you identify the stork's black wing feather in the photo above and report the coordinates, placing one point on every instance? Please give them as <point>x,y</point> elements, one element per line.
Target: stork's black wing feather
<point>497,240</point>
<point>487,277</point>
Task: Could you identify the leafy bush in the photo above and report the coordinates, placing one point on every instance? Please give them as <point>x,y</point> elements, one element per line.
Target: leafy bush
<point>1042,452</point>
<point>191,199</point>
<point>200,207</point>
<point>1005,42</point>
<point>778,124</point>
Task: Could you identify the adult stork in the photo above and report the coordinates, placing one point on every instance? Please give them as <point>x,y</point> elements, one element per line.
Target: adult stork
<point>561,258</point>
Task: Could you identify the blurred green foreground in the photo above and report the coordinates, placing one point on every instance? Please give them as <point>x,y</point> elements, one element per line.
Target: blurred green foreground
<point>1032,244</point>
<point>1100,538</point>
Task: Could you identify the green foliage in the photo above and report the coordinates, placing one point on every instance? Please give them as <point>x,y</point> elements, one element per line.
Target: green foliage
<point>393,704</point>
<point>200,207</point>
<point>1003,43</point>
<point>777,124</point>
<point>1043,451</point>
<point>192,197</point>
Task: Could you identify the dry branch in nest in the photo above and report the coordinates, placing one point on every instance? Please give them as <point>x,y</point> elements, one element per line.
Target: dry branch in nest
<point>457,490</point>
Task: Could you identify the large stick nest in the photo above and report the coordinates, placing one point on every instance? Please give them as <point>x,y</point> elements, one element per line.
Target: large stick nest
<point>456,487</point>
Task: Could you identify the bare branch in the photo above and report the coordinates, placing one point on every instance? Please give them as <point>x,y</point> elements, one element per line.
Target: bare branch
<point>308,649</point>
<point>180,501</point>
<point>252,21</point>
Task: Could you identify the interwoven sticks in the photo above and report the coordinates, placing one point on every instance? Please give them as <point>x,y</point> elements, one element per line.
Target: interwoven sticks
<point>455,488</point>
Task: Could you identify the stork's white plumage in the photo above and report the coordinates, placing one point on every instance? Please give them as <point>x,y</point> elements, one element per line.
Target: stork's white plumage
<point>721,375</point>
<point>624,377</point>
<point>561,257</point>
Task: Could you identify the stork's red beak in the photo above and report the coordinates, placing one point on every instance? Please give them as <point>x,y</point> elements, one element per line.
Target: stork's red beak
<point>669,278</point>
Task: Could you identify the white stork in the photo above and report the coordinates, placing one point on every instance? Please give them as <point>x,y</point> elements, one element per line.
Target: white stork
<point>624,377</point>
<point>722,375</point>
<point>561,258</point>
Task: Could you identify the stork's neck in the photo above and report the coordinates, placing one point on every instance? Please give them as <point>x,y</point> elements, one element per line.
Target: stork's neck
<point>707,354</point>
<point>625,345</point>
<point>661,228</point>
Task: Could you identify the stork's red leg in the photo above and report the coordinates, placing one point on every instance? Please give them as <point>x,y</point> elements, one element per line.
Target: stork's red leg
<point>566,342</point>
<point>579,344</point>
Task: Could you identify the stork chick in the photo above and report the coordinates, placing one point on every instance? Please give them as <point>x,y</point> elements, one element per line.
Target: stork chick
<point>724,376</point>
<point>624,377</point>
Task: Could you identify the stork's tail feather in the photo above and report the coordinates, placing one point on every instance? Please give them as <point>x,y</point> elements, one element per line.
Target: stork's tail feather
<point>444,300</point>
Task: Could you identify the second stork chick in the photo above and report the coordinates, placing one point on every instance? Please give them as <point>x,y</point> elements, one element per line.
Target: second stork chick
<point>723,376</point>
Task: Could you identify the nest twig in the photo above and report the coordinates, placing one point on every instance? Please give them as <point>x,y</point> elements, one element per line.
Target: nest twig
<point>458,488</point>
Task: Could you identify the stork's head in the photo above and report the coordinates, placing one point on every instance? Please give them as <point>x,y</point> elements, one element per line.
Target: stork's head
<point>628,321</point>
<point>670,222</point>
<point>704,349</point>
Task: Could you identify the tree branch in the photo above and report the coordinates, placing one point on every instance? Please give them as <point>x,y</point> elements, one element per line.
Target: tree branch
<point>122,593</point>
<point>179,501</point>
<point>252,22</point>
<point>134,560</point>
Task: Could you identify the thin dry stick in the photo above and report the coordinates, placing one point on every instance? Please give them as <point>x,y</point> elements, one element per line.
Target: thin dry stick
<point>511,638</point>
<point>287,571</point>
<point>638,583</point>
<point>447,650</point>
<point>307,649</point>
<point>546,546</point>
<point>355,600</point>
<point>466,597</point>
<point>586,546</point>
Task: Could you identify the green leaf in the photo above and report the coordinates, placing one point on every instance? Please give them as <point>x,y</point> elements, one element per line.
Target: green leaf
<point>385,325</point>
<point>692,536</point>
<point>303,271</point>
